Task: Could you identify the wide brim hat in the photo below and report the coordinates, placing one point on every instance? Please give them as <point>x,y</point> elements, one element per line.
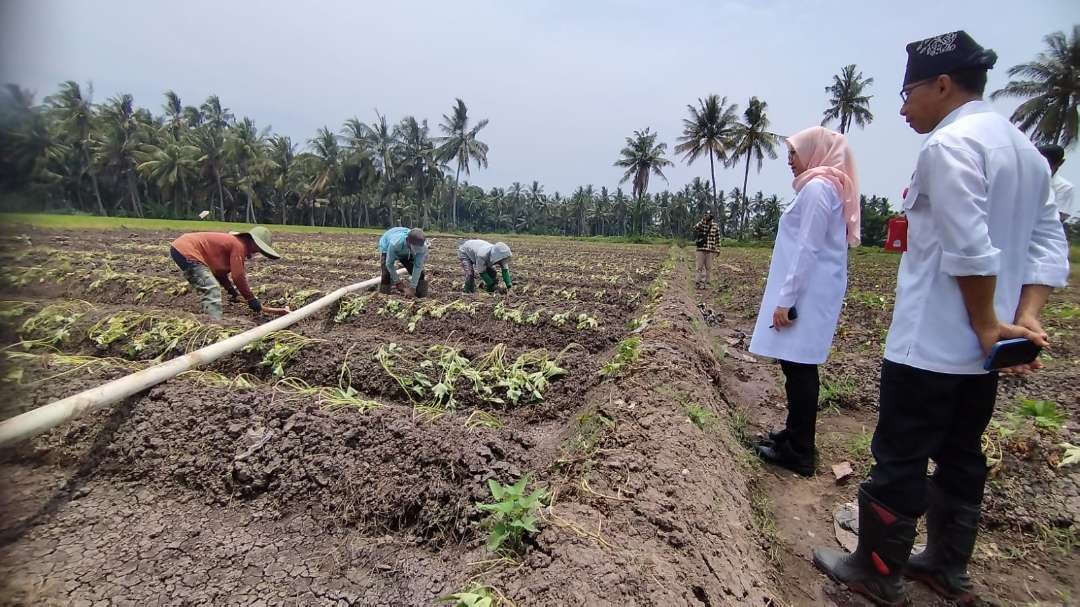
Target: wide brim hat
<point>262,239</point>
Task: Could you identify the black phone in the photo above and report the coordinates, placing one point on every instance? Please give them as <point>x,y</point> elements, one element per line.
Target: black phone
<point>792,314</point>
<point>1011,352</point>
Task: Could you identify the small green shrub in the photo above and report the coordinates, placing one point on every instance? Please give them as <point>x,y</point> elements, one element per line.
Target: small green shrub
<point>512,515</point>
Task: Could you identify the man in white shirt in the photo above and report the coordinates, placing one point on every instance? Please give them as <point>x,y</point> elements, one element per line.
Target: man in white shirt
<point>1067,205</point>
<point>985,248</point>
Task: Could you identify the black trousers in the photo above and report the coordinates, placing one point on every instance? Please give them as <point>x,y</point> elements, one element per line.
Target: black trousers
<point>386,280</point>
<point>926,415</point>
<point>801,385</point>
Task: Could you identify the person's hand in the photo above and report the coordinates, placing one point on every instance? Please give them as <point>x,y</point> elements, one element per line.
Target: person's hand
<point>272,311</point>
<point>400,286</point>
<point>780,319</point>
<point>1033,324</point>
<point>409,291</point>
<point>990,335</point>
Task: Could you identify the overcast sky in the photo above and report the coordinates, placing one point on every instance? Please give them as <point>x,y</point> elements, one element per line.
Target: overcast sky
<point>563,82</point>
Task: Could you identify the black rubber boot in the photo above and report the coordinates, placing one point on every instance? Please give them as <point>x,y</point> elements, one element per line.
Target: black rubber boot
<point>951,527</point>
<point>782,454</point>
<point>875,570</point>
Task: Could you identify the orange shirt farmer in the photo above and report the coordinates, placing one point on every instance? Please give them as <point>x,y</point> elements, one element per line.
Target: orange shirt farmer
<point>208,259</point>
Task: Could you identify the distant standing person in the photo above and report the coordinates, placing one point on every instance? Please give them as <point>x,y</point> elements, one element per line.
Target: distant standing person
<point>208,259</point>
<point>1061,190</point>
<point>707,241</point>
<point>985,248</point>
<point>481,258</point>
<point>806,285</point>
<point>409,247</point>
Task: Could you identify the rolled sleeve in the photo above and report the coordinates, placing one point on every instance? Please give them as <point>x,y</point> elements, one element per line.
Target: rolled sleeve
<point>1048,251</point>
<point>954,180</point>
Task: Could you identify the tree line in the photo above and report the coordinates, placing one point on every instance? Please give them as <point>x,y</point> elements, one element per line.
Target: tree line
<point>68,153</point>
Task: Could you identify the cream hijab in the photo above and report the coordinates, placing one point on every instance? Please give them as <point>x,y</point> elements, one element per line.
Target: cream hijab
<point>827,155</point>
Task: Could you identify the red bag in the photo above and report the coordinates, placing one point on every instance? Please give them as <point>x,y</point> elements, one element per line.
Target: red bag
<point>896,238</point>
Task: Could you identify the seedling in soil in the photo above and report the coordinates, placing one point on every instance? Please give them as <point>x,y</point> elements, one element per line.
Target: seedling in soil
<point>350,307</point>
<point>53,323</point>
<point>593,429</point>
<point>1070,455</point>
<point>430,379</point>
<point>327,397</point>
<point>301,298</point>
<point>483,419</point>
<point>478,595</point>
<point>700,416</point>
<point>560,319</point>
<point>584,321</point>
<point>278,350</point>
<point>10,310</point>
<point>1043,413</point>
<point>625,355</point>
<point>513,515</point>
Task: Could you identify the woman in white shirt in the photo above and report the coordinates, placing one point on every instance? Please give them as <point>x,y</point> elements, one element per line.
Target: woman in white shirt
<point>806,285</point>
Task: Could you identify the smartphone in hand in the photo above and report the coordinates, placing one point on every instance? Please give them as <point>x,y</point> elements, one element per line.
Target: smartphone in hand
<point>1011,352</point>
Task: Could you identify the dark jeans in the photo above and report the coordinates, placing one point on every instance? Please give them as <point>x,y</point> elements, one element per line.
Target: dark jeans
<point>926,415</point>
<point>386,280</point>
<point>801,385</point>
<point>181,262</point>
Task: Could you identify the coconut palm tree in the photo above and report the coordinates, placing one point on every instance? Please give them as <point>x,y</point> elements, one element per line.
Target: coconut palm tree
<point>116,149</point>
<point>642,157</point>
<point>327,162</point>
<point>75,115</point>
<point>710,129</point>
<point>1051,86</point>
<point>382,145</point>
<point>754,141</point>
<point>461,145</point>
<point>847,101</point>
<point>169,163</point>
<point>418,161</point>
<point>282,152</point>
<point>174,114</point>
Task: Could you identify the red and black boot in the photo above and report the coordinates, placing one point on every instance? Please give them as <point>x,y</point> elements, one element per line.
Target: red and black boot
<point>951,527</point>
<point>875,570</point>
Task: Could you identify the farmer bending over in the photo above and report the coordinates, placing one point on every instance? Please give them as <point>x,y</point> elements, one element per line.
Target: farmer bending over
<point>479,258</point>
<point>409,247</point>
<point>208,258</point>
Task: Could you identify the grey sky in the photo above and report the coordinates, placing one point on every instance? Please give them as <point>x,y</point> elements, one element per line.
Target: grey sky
<point>563,82</point>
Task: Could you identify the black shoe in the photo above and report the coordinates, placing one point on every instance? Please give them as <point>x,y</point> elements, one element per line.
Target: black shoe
<point>951,527</point>
<point>875,570</point>
<point>774,437</point>
<point>784,455</point>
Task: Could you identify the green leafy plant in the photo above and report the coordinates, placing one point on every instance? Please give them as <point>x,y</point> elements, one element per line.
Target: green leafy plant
<point>53,323</point>
<point>475,596</point>
<point>1043,413</point>
<point>278,349</point>
<point>626,354</point>
<point>700,416</point>
<point>350,307</point>
<point>512,515</point>
<point>1070,456</point>
<point>836,392</point>
<point>584,321</point>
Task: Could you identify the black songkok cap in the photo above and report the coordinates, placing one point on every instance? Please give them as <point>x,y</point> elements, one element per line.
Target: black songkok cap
<point>946,54</point>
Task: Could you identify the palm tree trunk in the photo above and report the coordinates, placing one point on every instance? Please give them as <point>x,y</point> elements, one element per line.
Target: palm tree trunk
<point>453,203</point>
<point>97,191</point>
<point>712,170</point>
<point>746,199</point>
<point>221,194</point>
<point>136,205</point>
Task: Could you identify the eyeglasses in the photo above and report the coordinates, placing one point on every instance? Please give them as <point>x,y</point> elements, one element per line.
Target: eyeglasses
<point>906,92</point>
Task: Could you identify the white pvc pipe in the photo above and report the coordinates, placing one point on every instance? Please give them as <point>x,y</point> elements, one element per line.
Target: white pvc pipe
<point>48,416</point>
